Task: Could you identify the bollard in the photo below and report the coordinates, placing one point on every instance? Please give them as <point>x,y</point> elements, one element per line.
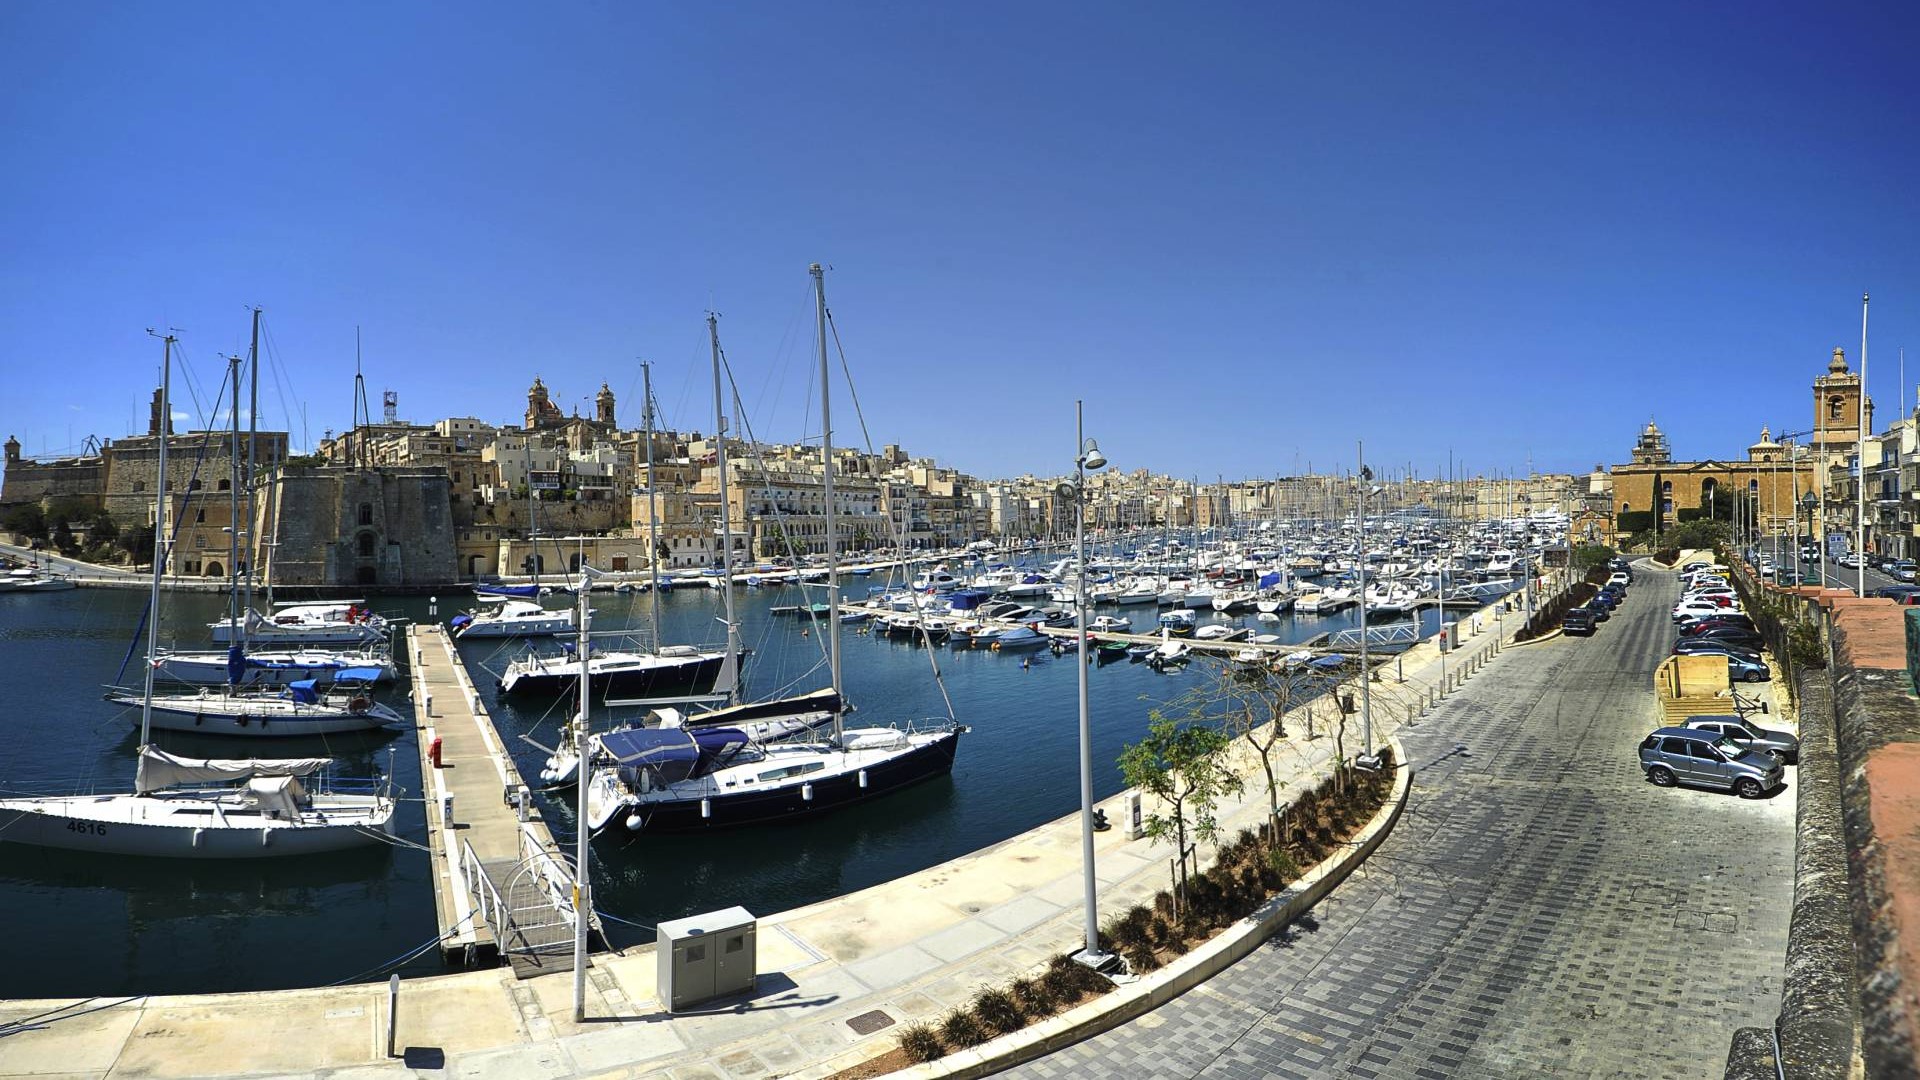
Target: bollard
<point>429,704</point>
<point>393,1011</point>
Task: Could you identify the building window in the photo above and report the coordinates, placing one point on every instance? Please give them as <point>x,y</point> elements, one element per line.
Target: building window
<point>139,485</point>
<point>366,545</point>
<point>225,485</point>
<point>194,484</point>
<point>366,515</point>
<point>199,517</point>
<point>1833,407</point>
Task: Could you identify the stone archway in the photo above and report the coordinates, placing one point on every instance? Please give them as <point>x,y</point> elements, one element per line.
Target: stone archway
<point>214,569</point>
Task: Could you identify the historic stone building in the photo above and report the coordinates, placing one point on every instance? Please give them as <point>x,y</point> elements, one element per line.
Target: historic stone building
<point>1655,492</point>
<point>373,527</point>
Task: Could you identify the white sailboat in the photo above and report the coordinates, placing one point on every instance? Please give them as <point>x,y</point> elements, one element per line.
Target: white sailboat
<point>676,779</point>
<point>198,808</point>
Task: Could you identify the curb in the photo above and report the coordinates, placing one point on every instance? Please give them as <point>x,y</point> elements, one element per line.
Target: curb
<point>1207,960</point>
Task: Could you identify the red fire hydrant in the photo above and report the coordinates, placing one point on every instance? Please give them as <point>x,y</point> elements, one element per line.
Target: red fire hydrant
<point>433,751</point>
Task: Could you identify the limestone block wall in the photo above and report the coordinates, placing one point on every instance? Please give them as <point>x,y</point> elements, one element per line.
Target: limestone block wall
<point>38,482</point>
<point>366,527</point>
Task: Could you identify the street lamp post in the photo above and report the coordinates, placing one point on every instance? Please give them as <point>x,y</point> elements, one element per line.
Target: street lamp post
<point>1366,759</point>
<point>1087,455</point>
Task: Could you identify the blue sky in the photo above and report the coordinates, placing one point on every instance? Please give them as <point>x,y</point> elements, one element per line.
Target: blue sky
<point>1246,235</point>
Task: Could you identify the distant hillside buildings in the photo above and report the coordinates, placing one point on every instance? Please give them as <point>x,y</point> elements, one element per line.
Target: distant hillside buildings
<point>396,504</point>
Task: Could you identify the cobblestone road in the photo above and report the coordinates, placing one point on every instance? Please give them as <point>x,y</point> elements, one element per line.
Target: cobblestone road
<point>1540,910</point>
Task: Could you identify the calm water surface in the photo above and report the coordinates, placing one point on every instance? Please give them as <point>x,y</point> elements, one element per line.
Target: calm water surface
<point>86,925</point>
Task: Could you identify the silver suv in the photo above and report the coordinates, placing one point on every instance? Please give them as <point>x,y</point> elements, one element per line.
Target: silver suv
<point>1675,755</point>
<point>1784,744</point>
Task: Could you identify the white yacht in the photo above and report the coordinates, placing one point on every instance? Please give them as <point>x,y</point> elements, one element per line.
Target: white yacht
<point>508,617</point>
<point>330,623</point>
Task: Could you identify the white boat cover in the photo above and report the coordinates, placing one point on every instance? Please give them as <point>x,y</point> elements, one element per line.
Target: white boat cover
<point>159,769</point>
<point>276,796</point>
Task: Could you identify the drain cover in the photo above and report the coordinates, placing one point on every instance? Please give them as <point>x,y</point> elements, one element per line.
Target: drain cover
<point>869,1022</point>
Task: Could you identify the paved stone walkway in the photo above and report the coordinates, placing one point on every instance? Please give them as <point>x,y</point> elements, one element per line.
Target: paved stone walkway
<point>1541,910</point>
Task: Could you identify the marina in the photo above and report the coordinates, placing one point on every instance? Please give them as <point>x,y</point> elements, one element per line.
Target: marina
<point>1015,772</point>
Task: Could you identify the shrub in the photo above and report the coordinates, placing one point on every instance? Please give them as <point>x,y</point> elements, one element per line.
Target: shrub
<point>922,1043</point>
<point>1803,645</point>
<point>961,1029</point>
<point>1159,930</point>
<point>999,1010</point>
<point>1141,960</point>
<point>1033,996</point>
<point>1281,864</point>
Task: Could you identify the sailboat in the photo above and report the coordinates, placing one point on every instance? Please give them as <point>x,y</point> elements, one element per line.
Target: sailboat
<point>200,808</point>
<point>667,779</point>
<point>670,673</point>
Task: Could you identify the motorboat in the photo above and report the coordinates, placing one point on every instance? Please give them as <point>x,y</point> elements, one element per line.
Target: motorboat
<point>296,624</point>
<point>508,617</point>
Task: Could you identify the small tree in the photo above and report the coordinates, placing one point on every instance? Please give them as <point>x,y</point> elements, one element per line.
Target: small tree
<point>1256,703</point>
<point>1183,764</point>
<point>101,531</point>
<point>1588,556</point>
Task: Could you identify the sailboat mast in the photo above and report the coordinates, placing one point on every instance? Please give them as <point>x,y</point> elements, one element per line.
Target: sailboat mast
<point>726,521</point>
<point>234,619</point>
<point>826,469</point>
<point>653,510</point>
<point>253,461</point>
<point>159,533</point>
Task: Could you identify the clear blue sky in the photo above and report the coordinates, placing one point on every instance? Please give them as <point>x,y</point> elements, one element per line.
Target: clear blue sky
<point>1247,235</point>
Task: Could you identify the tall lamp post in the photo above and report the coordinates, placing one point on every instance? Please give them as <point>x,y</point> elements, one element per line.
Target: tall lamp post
<point>1366,760</point>
<point>1087,455</point>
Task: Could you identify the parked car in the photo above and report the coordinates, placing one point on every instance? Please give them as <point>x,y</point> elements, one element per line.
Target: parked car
<point>1738,635</point>
<point>1725,618</point>
<point>1694,609</point>
<point>1747,669</point>
<point>1620,578</point>
<point>1578,621</point>
<point>1678,755</point>
<point>1849,561</point>
<point>1905,570</point>
<point>1710,647</point>
<point>1783,743</point>
<point>1602,600</point>
<point>1894,592</point>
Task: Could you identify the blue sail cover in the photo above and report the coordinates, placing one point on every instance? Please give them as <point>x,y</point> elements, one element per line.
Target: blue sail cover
<point>358,675</point>
<point>507,590</point>
<point>302,691</point>
<point>1268,581</point>
<point>672,754</point>
<point>236,665</point>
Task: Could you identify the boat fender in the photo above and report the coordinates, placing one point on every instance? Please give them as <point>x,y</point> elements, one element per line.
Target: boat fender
<point>806,792</point>
<point>706,808</point>
<point>199,836</point>
<point>197,718</point>
<point>241,720</point>
<point>863,778</point>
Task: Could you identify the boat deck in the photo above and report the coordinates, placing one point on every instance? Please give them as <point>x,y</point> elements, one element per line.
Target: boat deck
<point>497,876</point>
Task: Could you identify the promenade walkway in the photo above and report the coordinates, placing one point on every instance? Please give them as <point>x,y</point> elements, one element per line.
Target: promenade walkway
<point>836,978</point>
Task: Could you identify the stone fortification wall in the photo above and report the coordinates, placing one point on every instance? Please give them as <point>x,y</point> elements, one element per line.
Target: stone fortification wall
<point>43,481</point>
<point>561,517</point>
<point>366,527</point>
<point>199,466</point>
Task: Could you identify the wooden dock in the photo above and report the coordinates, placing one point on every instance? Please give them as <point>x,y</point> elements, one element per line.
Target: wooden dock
<point>500,883</point>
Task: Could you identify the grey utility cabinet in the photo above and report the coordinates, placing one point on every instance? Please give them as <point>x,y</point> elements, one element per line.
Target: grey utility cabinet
<point>702,957</point>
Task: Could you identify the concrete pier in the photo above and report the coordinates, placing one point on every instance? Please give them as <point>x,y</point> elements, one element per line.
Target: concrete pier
<point>500,883</point>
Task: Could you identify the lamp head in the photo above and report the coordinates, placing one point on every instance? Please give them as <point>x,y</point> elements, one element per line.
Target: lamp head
<point>1093,458</point>
<point>1067,489</point>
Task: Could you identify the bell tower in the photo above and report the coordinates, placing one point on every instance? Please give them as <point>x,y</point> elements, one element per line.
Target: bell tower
<point>1836,410</point>
<point>603,406</point>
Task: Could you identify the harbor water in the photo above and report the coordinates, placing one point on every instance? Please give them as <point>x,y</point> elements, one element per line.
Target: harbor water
<point>89,925</point>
